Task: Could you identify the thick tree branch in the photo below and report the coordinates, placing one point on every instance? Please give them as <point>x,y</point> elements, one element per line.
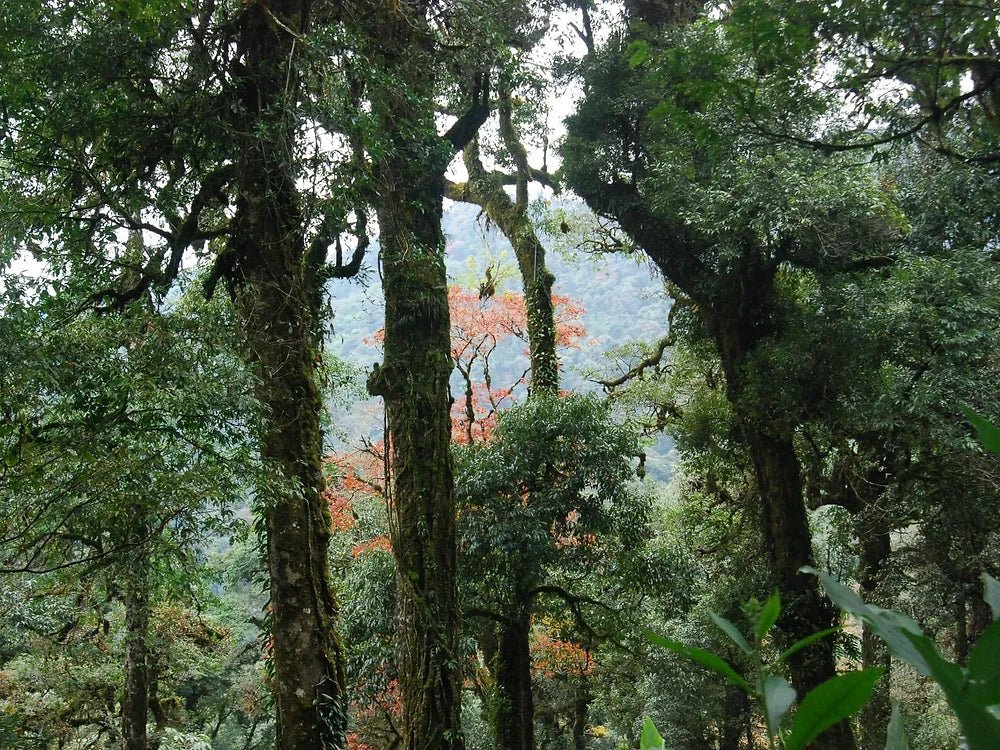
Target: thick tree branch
<point>183,233</point>
<point>466,127</point>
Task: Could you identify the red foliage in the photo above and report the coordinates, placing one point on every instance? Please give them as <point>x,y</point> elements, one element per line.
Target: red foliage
<point>555,658</point>
<point>478,328</point>
<point>376,712</point>
<point>380,542</point>
<point>356,474</point>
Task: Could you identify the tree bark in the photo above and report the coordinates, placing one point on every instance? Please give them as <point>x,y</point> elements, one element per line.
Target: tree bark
<point>413,380</point>
<point>487,191</point>
<point>740,315</point>
<point>272,291</point>
<point>735,718</point>
<point>873,720</point>
<point>135,704</point>
<point>581,705</point>
<point>514,713</point>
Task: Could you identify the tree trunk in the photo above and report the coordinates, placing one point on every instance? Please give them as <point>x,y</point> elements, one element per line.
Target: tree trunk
<point>273,297</point>
<point>135,704</point>
<point>581,704</point>
<point>873,720</point>
<point>787,537</point>
<point>514,715</point>
<point>511,216</point>
<point>735,718</point>
<point>413,381</point>
<point>739,314</point>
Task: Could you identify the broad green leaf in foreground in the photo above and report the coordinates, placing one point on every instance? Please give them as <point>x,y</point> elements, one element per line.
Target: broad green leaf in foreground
<point>891,626</point>
<point>778,698</point>
<point>896,736</point>
<point>829,703</point>
<point>733,632</point>
<point>768,615</point>
<point>988,433</point>
<point>991,593</point>
<point>650,739</point>
<point>703,657</point>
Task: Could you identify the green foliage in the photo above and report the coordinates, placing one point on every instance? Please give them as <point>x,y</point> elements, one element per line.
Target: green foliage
<point>551,488</point>
<point>973,693</point>
<point>825,705</point>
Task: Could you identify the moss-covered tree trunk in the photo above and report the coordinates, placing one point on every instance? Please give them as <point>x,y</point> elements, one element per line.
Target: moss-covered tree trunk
<point>135,703</point>
<point>413,378</point>
<point>514,709</point>
<point>740,312</point>
<point>486,189</point>
<point>273,297</point>
<point>738,308</point>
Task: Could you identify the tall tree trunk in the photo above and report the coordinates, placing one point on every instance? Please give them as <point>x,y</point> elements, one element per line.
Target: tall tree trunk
<point>875,548</point>
<point>273,297</point>
<point>581,705</point>
<point>735,718</point>
<point>786,534</point>
<point>739,314</point>
<point>413,381</point>
<point>135,704</point>
<point>514,714</point>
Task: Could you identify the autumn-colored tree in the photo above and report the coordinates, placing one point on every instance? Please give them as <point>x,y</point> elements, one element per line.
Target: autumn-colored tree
<point>483,328</point>
<point>484,331</point>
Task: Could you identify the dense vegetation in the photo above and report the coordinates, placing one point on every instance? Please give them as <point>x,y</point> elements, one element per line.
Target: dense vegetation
<point>680,433</point>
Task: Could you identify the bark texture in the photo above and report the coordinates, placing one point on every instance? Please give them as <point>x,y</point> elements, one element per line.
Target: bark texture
<point>413,378</point>
<point>514,709</point>
<point>135,704</point>
<point>272,289</point>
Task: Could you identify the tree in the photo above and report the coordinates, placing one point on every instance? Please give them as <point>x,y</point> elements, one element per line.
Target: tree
<point>480,331</point>
<point>486,189</point>
<point>413,377</point>
<point>156,120</point>
<point>895,72</point>
<point>119,459</point>
<point>542,503</point>
<point>695,190</point>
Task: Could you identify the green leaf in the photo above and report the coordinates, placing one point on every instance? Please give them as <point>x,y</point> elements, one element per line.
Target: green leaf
<point>891,626</point>
<point>703,657</point>
<point>980,727</point>
<point>839,594</point>
<point>768,615</point>
<point>732,631</point>
<point>984,661</point>
<point>650,739</point>
<point>829,703</point>
<point>778,698</point>
<point>991,593</point>
<point>949,676</point>
<point>809,639</point>
<point>896,736</point>
<point>989,434</point>
<point>638,53</point>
